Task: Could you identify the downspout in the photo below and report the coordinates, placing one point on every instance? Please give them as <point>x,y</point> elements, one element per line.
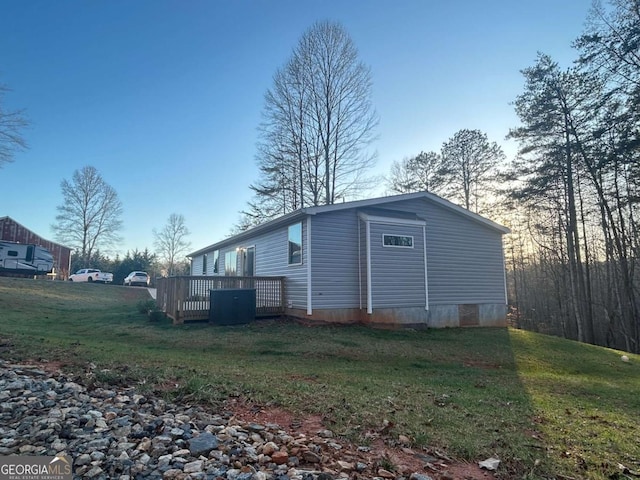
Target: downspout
<point>426,280</point>
<point>309,290</point>
<point>504,273</point>
<point>360,262</point>
<point>369,289</point>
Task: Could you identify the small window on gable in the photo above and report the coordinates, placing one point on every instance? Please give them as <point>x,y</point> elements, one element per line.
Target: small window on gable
<point>216,256</point>
<point>400,241</point>
<point>204,264</point>
<point>295,244</point>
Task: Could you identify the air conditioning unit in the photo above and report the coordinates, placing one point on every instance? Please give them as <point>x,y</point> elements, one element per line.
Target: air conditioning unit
<point>232,306</point>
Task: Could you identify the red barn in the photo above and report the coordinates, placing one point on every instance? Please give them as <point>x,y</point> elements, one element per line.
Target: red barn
<point>12,231</point>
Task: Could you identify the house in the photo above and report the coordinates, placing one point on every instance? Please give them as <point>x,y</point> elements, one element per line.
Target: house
<point>412,260</point>
<point>12,231</point>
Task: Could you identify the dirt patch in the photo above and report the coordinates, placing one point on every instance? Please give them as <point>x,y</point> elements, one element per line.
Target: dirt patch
<point>49,367</point>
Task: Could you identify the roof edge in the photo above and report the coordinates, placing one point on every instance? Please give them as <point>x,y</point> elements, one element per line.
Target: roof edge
<point>301,213</point>
<point>252,231</point>
<point>7,217</point>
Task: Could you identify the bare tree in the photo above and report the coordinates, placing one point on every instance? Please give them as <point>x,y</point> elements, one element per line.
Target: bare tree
<point>11,125</point>
<point>90,217</point>
<point>469,163</point>
<point>414,174</point>
<point>318,121</point>
<point>171,242</point>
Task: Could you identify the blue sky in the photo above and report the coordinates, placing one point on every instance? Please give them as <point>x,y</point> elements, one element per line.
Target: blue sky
<point>164,97</point>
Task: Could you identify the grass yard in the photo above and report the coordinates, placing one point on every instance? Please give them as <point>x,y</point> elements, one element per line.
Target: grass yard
<point>547,407</point>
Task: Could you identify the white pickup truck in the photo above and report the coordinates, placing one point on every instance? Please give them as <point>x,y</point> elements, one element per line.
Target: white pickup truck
<point>91,275</point>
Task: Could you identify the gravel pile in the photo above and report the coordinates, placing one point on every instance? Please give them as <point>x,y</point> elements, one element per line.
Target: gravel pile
<point>121,434</point>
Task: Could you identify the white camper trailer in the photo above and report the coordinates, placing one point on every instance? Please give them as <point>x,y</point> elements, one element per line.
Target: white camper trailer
<point>24,259</point>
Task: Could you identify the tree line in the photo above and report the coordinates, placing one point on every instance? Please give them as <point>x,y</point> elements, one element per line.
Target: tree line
<point>576,187</point>
<point>143,261</point>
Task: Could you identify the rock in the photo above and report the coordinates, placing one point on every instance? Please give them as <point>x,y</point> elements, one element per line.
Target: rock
<point>165,459</point>
<point>490,463</point>
<point>269,447</point>
<point>144,445</point>
<point>280,458</point>
<point>58,445</point>
<point>94,472</point>
<point>99,444</point>
<point>16,385</point>
<point>203,444</point>
<point>172,473</point>
<point>311,457</point>
<point>419,476</point>
<point>325,476</point>
<point>385,473</point>
<point>193,467</point>
<point>83,459</point>
<point>346,466</point>
<point>254,427</point>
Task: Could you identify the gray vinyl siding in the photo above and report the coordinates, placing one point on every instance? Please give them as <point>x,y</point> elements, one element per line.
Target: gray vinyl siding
<point>272,255</point>
<point>397,274</point>
<point>271,259</point>
<point>334,253</point>
<point>464,258</point>
<point>196,265</point>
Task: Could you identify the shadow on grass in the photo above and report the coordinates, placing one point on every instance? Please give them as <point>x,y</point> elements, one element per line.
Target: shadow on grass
<point>585,404</point>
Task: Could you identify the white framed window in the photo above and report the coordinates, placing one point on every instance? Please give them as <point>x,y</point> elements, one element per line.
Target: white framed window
<point>397,241</point>
<point>295,244</point>
<point>230,263</point>
<point>216,257</point>
<point>204,264</point>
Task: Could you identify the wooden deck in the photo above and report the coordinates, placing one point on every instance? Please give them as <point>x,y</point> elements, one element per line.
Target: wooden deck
<point>187,298</point>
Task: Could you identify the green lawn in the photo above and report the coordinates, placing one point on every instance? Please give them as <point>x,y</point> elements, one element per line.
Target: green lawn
<point>544,406</point>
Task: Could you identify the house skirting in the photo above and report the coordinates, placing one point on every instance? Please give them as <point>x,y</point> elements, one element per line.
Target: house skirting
<point>438,316</point>
<point>341,316</point>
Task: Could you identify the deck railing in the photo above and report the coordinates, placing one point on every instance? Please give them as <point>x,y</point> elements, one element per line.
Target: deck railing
<point>187,298</point>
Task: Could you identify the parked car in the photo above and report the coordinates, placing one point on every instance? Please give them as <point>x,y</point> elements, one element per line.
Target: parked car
<point>91,275</point>
<point>137,278</point>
